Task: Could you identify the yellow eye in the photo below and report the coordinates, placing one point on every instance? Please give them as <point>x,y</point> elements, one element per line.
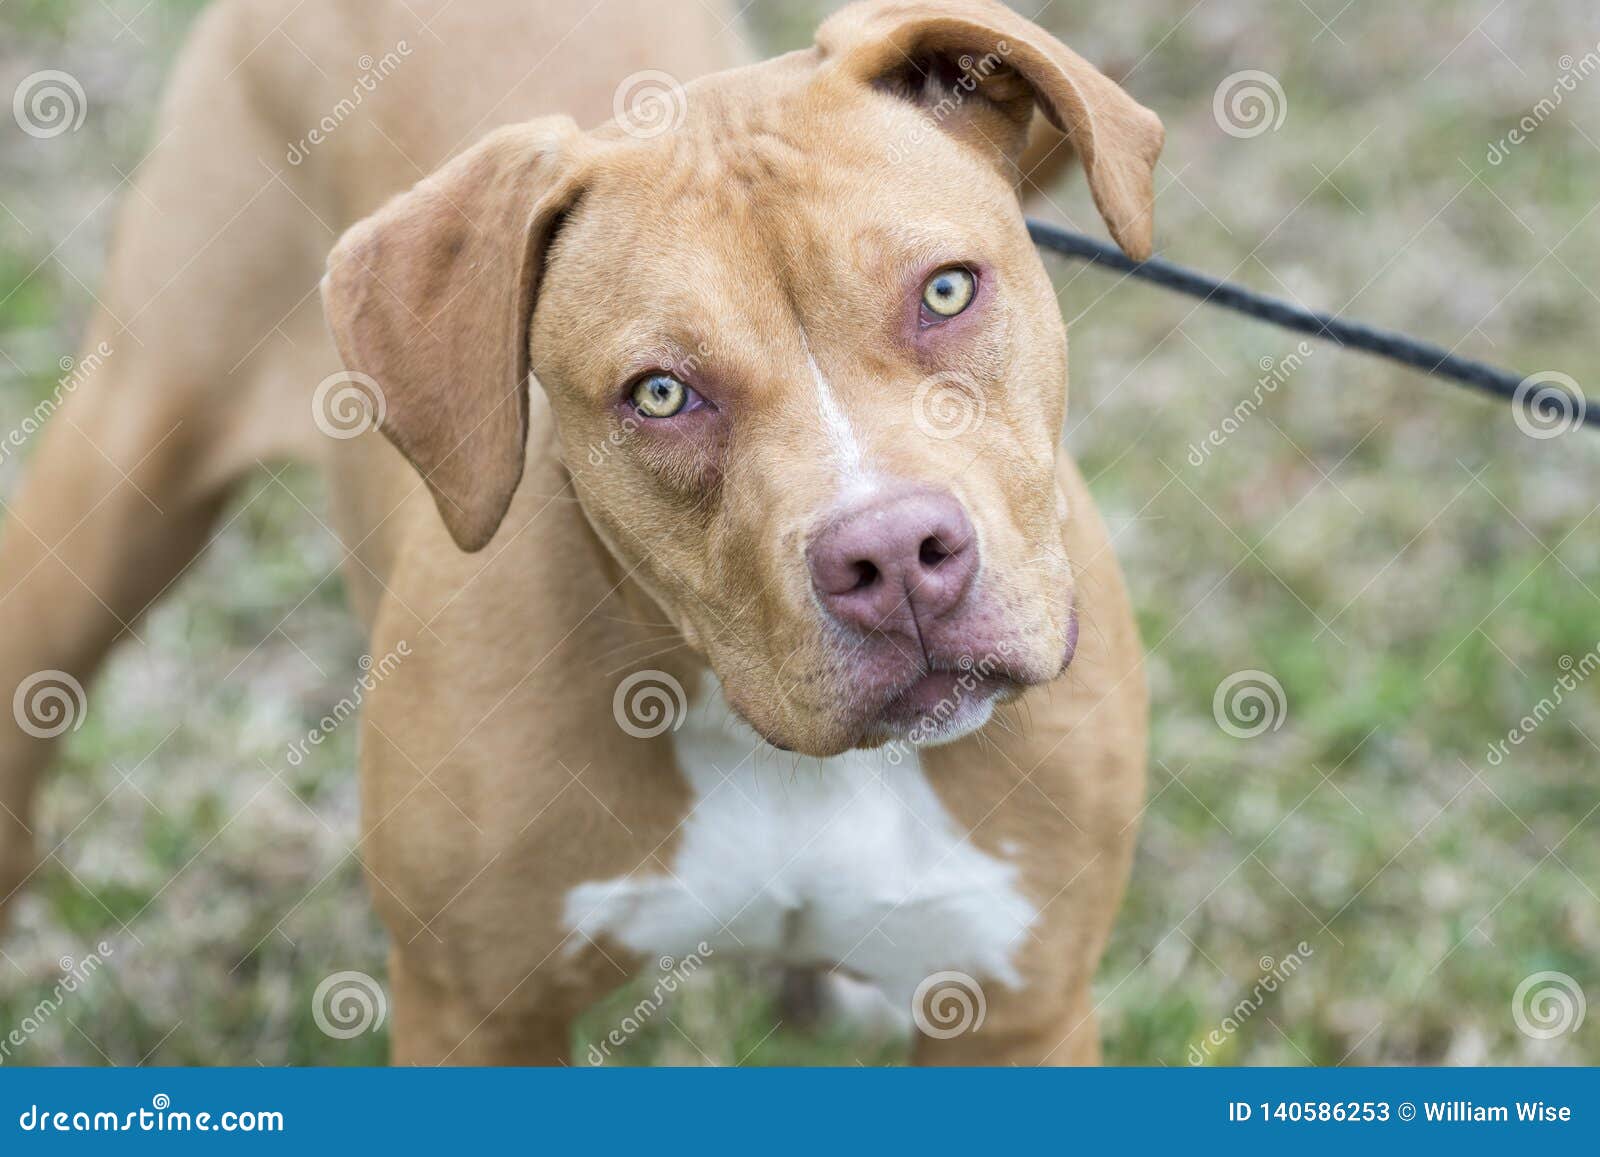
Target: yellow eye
<point>659,396</point>
<point>949,291</point>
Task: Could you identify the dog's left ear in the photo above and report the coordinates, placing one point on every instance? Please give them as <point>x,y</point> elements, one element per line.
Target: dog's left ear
<point>978,70</point>
<point>432,298</point>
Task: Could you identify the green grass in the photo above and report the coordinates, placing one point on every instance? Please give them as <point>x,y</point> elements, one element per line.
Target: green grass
<point>1414,606</point>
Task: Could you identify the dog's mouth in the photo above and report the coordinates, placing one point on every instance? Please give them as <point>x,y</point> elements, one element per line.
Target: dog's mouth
<point>938,704</point>
<point>941,704</point>
<point>947,699</point>
<point>937,699</point>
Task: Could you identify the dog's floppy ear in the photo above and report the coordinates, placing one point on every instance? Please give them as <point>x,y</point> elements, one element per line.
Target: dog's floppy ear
<point>978,69</point>
<point>431,297</point>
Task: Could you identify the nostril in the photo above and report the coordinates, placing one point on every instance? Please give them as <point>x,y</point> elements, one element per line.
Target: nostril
<point>902,557</point>
<point>866,575</point>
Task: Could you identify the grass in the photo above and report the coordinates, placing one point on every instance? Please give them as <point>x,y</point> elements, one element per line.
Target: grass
<point>1406,564</point>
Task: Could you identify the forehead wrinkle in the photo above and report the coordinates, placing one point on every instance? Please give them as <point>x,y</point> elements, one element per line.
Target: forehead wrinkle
<point>773,239</point>
<point>739,146</point>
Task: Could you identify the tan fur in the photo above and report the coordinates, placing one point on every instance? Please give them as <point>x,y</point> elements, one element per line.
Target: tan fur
<point>769,227</point>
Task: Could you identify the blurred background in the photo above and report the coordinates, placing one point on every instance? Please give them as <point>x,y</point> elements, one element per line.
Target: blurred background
<point>1401,570</point>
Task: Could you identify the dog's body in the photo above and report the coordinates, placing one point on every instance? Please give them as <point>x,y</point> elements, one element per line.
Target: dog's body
<point>527,850</point>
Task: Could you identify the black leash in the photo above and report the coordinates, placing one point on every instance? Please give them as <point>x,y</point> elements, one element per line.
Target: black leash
<point>1421,355</point>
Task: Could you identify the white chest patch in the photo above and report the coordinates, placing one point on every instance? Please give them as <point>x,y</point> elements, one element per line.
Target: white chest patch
<point>850,861</point>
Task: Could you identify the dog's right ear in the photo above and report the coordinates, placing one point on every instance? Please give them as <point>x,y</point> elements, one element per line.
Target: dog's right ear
<point>432,297</point>
<point>935,53</point>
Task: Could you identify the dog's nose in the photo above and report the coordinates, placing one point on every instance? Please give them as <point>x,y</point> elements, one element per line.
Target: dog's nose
<point>895,561</point>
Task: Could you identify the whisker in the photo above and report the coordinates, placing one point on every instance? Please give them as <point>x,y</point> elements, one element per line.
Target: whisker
<point>646,658</point>
<point>632,643</point>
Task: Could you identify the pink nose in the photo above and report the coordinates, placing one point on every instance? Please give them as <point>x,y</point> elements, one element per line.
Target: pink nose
<point>897,562</point>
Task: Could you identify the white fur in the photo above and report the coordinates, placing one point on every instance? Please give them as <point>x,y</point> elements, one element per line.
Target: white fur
<point>862,1008</point>
<point>843,445</point>
<point>850,861</point>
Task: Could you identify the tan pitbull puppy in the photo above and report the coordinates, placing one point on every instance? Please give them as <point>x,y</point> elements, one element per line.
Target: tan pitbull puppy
<point>744,618</point>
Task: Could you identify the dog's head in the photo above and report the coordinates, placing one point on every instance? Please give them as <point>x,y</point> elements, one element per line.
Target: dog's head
<point>808,371</point>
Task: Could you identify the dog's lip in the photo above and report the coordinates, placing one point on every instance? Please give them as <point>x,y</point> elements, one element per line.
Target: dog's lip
<point>934,691</point>
<point>914,702</point>
<point>1070,651</point>
<point>921,696</point>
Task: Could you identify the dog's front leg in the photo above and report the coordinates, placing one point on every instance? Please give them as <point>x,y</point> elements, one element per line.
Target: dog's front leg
<point>436,1024</point>
<point>496,779</point>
